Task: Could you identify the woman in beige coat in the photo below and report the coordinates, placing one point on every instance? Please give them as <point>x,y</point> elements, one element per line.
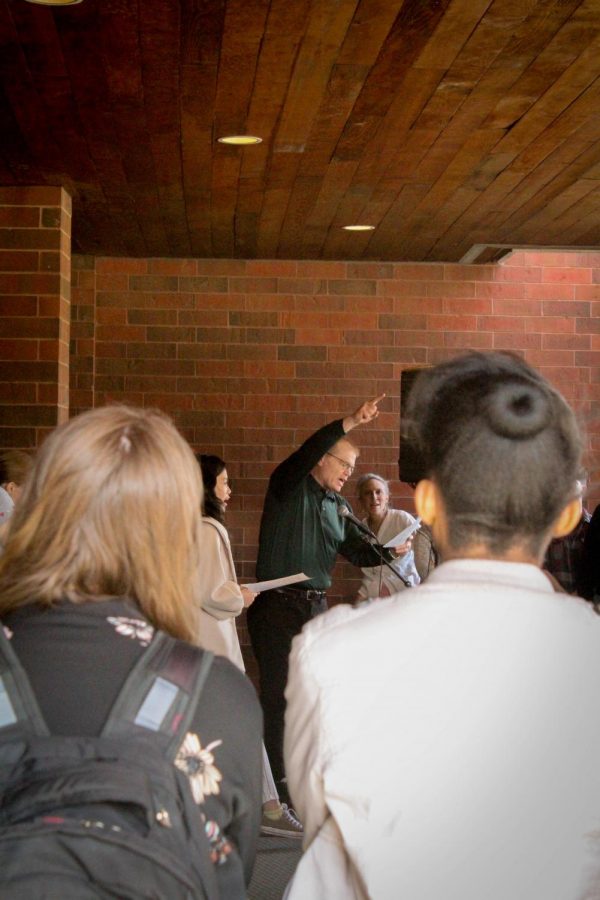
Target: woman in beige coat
<point>223,599</point>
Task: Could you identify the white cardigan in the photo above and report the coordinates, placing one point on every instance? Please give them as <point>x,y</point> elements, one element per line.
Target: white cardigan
<point>221,595</point>
<point>380,580</point>
<point>445,742</point>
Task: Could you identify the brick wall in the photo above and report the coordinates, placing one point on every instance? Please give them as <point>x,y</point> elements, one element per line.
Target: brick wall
<point>35,262</point>
<point>249,357</point>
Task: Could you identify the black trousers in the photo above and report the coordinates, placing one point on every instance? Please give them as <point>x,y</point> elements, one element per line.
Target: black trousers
<point>274,619</point>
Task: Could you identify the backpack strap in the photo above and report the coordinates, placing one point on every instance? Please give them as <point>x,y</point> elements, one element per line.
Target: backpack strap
<point>19,710</point>
<point>161,693</point>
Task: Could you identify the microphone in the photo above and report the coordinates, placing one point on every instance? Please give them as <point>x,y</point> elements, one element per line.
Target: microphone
<point>344,513</point>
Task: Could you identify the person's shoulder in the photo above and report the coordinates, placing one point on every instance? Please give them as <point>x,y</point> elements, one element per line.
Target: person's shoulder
<point>226,677</point>
<point>229,692</point>
<point>214,532</point>
<point>401,515</point>
<point>329,626</point>
<point>210,524</point>
<point>401,512</point>
<point>346,639</point>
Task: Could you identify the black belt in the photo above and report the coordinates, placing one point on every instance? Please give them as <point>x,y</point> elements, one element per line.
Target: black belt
<point>303,593</point>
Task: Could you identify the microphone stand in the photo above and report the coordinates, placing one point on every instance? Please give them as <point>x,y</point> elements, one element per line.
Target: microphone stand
<point>370,538</point>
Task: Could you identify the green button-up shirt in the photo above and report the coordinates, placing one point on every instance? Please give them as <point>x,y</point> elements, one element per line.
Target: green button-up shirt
<point>301,530</point>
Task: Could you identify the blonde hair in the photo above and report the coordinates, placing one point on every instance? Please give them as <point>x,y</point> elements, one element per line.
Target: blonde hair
<point>112,509</point>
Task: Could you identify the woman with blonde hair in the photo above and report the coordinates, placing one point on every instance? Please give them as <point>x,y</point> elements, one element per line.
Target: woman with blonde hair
<point>102,555</point>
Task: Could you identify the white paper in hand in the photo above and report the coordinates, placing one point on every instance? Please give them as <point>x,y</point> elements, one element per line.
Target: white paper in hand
<point>276,583</point>
<point>405,534</point>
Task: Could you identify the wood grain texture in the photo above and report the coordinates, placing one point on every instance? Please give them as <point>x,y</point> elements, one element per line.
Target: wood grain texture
<point>452,126</point>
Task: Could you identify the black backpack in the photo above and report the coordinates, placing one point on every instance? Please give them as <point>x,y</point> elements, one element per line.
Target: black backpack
<point>108,816</point>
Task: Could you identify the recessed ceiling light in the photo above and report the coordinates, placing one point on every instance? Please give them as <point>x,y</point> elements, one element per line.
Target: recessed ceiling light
<point>240,140</point>
<point>55,2</point>
<point>358,227</point>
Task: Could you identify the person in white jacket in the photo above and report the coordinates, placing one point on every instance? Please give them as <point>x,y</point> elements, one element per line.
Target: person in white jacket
<point>444,741</point>
<point>373,493</point>
<point>223,599</point>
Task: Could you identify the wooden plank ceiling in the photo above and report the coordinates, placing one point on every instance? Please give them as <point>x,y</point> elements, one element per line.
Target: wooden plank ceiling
<point>455,127</point>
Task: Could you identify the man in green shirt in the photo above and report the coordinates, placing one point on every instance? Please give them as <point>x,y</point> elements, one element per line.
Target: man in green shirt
<point>302,531</point>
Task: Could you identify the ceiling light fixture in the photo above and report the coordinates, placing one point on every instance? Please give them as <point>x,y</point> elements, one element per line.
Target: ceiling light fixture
<point>55,2</point>
<point>358,227</point>
<point>240,140</point>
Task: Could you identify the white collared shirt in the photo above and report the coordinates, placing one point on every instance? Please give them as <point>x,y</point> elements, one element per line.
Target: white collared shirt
<point>445,742</point>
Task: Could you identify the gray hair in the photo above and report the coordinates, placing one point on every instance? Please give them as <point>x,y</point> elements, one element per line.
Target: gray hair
<point>367,477</point>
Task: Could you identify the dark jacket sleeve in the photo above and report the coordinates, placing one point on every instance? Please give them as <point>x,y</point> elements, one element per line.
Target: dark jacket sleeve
<point>289,473</point>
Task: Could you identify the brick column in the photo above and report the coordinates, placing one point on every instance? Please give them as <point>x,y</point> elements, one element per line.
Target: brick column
<point>35,293</point>
<point>83,334</point>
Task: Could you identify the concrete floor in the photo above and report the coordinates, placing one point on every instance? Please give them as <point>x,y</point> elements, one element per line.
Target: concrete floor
<point>275,863</point>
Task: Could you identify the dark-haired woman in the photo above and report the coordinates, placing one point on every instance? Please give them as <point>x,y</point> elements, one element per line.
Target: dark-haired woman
<point>222,600</point>
<point>222,597</point>
<point>444,742</point>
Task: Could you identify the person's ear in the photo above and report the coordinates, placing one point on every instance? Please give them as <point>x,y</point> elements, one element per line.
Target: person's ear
<point>568,518</point>
<point>427,501</point>
<point>11,488</point>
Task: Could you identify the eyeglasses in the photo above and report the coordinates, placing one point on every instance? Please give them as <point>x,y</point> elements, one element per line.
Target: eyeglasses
<point>347,467</point>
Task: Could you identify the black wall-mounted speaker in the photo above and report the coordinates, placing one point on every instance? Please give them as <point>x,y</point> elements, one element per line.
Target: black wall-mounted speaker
<point>410,464</point>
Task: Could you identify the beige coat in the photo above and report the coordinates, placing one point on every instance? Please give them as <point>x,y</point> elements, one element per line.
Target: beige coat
<point>221,595</point>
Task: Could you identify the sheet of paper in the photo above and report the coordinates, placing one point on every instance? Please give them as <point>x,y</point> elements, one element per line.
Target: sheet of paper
<point>276,583</point>
<point>404,535</point>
